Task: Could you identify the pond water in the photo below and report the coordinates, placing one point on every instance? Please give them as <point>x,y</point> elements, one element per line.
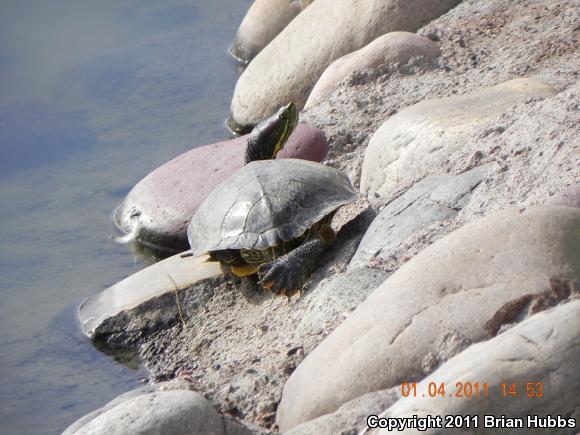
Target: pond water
<point>93,96</point>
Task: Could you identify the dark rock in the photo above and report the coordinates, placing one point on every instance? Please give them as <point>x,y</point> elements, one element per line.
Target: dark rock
<point>432,199</point>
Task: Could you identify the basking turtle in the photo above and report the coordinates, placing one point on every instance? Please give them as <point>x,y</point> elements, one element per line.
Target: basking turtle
<point>267,139</point>
<point>272,217</point>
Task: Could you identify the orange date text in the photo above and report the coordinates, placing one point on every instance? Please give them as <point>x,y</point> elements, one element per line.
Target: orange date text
<point>467,389</point>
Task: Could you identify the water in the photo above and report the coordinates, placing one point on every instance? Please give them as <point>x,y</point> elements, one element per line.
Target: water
<point>93,95</point>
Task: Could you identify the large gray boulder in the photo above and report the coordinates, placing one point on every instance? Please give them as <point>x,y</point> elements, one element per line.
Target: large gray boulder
<point>540,355</point>
<point>287,68</point>
<point>462,289</point>
<point>263,21</point>
<point>435,198</point>
<point>393,47</point>
<point>415,141</point>
<point>151,411</point>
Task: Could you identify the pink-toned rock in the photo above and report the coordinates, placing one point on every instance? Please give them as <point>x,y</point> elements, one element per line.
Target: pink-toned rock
<point>158,209</point>
<point>393,47</point>
<point>308,143</point>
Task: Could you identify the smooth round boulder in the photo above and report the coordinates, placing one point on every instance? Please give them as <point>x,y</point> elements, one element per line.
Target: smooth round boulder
<point>540,357</point>
<point>412,143</point>
<point>263,21</point>
<point>168,412</point>
<point>158,209</point>
<point>289,66</point>
<point>463,289</point>
<point>393,47</point>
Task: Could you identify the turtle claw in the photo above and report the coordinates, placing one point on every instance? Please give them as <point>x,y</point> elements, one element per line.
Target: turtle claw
<point>280,278</point>
<point>267,285</point>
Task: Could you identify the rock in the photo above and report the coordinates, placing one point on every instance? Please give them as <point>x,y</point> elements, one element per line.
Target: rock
<point>541,352</point>
<point>287,68</point>
<point>412,143</point>
<point>158,209</point>
<point>435,198</point>
<point>234,427</point>
<point>175,384</point>
<point>263,21</point>
<point>460,290</point>
<point>147,299</point>
<point>308,143</point>
<point>338,296</point>
<point>152,410</point>
<point>394,47</point>
<point>351,417</point>
<point>569,197</point>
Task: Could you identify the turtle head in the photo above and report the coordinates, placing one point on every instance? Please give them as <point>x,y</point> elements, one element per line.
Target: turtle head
<point>270,135</point>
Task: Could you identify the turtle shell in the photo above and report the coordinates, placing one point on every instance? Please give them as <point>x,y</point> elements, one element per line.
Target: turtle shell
<point>266,203</point>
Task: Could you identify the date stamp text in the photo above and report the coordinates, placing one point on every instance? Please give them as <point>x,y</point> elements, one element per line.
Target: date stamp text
<point>473,390</point>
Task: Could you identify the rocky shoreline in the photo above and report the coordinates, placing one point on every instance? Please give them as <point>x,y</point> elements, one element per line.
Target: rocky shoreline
<point>459,263</point>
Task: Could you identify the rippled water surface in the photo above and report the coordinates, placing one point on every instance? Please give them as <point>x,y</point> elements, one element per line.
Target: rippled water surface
<point>93,95</point>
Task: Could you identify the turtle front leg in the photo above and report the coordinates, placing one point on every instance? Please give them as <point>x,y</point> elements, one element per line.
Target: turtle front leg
<point>287,274</point>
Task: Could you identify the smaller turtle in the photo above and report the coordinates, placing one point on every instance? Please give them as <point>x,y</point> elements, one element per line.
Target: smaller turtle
<point>271,217</point>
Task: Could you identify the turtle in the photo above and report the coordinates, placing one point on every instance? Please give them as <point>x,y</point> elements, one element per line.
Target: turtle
<point>271,217</point>
<point>267,139</point>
